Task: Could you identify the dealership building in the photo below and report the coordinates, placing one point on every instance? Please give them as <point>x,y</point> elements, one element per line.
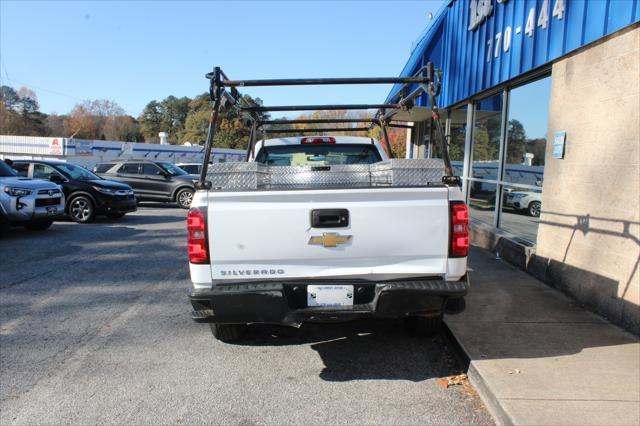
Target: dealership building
<point>541,101</point>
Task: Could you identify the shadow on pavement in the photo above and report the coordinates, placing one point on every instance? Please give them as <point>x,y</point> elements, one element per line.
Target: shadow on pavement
<point>365,349</point>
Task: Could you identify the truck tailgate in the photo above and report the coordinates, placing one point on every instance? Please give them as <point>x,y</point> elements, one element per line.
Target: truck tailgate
<point>392,233</point>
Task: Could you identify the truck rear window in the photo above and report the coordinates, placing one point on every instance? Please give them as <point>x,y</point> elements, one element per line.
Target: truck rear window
<point>325,154</point>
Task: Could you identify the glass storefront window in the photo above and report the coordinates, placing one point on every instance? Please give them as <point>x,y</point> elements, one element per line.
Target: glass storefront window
<point>456,124</point>
<point>527,132</point>
<point>486,137</point>
<point>521,211</point>
<point>482,201</point>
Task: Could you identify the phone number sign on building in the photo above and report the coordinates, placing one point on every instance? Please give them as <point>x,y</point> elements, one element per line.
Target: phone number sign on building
<point>480,44</point>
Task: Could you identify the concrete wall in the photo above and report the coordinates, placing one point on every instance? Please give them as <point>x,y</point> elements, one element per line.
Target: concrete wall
<point>589,235</point>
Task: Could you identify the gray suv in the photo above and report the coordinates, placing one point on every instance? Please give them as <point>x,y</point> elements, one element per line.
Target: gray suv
<point>32,203</point>
<point>151,180</point>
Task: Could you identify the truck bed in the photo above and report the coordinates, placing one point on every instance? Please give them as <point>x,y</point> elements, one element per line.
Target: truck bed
<point>392,233</point>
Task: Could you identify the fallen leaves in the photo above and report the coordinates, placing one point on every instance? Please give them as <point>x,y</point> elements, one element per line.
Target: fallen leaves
<point>459,379</point>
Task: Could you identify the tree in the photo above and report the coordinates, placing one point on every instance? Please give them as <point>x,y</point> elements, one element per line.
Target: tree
<point>9,98</point>
<point>57,125</point>
<point>516,142</point>
<point>122,128</point>
<point>103,119</point>
<point>19,114</point>
<point>27,101</point>
<point>151,121</point>
<point>174,115</point>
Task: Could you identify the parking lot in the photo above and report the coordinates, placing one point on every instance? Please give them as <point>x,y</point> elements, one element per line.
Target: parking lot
<point>95,328</point>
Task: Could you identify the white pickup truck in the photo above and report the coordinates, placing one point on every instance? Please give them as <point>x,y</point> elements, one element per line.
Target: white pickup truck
<point>285,256</point>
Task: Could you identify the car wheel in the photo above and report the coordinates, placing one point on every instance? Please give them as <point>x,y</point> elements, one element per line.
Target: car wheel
<point>39,225</point>
<point>534,208</point>
<point>228,332</point>
<point>184,197</point>
<point>115,215</point>
<point>81,209</point>
<point>423,326</point>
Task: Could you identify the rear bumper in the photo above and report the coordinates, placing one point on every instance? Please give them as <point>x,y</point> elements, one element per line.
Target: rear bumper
<point>285,303</point>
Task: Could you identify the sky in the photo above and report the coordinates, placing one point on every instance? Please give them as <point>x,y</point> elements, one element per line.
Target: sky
<point>134,52</point>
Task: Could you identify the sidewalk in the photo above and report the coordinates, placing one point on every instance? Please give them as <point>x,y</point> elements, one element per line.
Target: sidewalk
<point>536,358</point>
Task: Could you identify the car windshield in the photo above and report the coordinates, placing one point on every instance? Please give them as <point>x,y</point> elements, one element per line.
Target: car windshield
<point>325,154</point>
<point>172,169</point>
<point>75,172</point>
<point>6,171</point>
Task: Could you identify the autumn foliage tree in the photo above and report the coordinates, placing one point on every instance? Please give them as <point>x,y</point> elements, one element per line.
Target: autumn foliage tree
<point>19,113</point>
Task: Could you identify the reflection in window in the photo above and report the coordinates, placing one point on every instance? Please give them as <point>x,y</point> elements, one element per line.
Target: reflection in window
<point>526,132</point>
<point>457,131</point>
<point>486,137</point>
<point>521,212</point>
<point>482,201</point>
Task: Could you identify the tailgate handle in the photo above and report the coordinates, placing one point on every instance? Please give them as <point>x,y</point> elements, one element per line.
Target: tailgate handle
<point>329,218</point>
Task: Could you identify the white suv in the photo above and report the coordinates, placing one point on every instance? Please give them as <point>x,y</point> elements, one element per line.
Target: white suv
<point>529,201</point>
<point>33,203</point>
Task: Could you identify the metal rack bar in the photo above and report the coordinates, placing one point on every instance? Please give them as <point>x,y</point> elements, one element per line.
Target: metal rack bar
<point>223,99</point>
<point>330,129</point>
<point>320,121</point>
<point>317,107</point>
<point>318,81</point>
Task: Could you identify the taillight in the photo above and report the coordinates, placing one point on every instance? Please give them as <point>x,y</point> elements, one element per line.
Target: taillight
<point>197,236</point>
<point>459,231</point>
<point>322,139</point>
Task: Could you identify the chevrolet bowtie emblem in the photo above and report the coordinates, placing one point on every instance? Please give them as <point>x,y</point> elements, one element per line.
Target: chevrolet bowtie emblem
<point>329,239</point>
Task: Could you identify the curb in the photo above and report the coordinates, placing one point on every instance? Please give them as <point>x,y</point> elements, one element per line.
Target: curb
<point>498,413</point>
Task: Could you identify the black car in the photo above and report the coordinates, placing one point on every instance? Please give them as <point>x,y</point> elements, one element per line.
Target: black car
<point>87,195</point>
<point>152,180</point>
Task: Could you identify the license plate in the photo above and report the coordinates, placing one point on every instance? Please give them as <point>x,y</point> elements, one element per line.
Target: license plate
<point>329,295</point>
<point>51,211</point>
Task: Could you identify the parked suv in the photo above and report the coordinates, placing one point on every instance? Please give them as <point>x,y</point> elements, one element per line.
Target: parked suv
<point>528,201</point>
<point>152,180</point>
<point>27,202</point>
<point>87,195</point>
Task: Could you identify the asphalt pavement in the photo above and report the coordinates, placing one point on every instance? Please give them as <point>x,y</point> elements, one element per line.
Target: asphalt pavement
<point>95,329</point>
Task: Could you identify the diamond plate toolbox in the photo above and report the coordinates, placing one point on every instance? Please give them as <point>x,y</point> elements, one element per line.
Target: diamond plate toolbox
<point>238,176</point>
<point>292,177</point>
<point>407,172</point>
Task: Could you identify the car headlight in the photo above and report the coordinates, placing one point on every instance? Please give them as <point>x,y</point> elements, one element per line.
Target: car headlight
<point>105,190</point>
<point>17,192</point>
<point>518,196</point>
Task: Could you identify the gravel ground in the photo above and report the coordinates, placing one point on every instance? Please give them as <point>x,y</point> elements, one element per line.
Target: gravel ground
<point>95,328</point>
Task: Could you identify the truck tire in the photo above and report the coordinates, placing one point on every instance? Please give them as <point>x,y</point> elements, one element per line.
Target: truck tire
<point>81,209</point>
<point>228,332</point>
<point>423,326</point>
<point>39,225</point>
<point>184,198</point>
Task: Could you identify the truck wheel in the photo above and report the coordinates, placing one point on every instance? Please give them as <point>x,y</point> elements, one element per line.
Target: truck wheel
<point>534,208</point>
<point>184,198</point>
<point>423,326</point>
<point>228,332</point>
<point>81,209</point>
<point>38,225</point>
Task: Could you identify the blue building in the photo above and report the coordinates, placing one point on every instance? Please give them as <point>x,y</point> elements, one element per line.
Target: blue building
<point>541,100</point>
